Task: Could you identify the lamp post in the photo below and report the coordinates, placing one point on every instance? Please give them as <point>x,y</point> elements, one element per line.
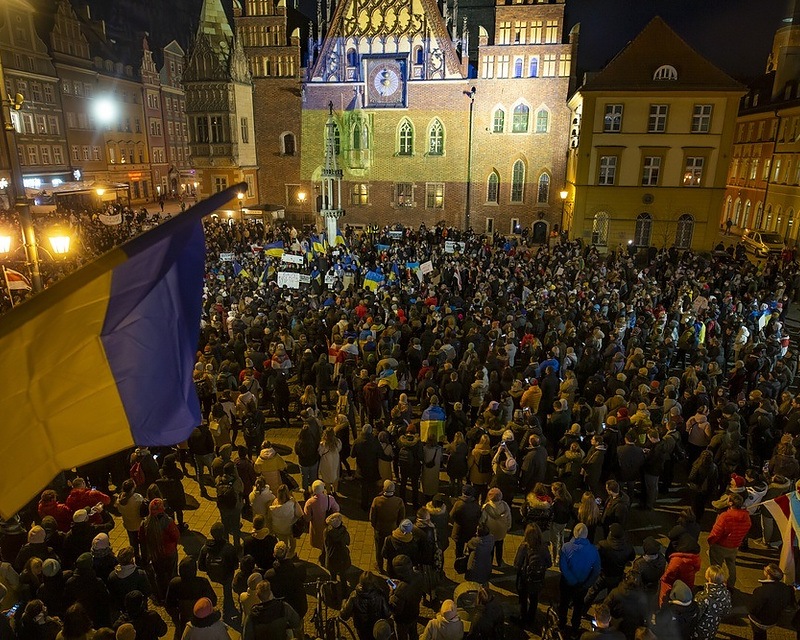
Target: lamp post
<point>564,194</point>
<point>18,187</point>
<point>240,195</point>
<point>467,221</point>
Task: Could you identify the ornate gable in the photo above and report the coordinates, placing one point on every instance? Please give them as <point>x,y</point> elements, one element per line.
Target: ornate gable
<point>387,27</point>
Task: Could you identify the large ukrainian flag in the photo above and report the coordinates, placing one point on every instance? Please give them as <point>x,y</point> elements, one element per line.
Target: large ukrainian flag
<point>103,359</point>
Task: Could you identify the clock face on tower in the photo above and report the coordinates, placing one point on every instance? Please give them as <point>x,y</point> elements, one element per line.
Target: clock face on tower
<point>385,80</point>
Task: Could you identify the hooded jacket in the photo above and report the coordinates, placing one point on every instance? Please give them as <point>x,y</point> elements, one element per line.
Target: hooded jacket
<point>337,549</point>
<point>365,605</point>
<point>399,544</point>
<point>148,624</point>
<point>286,579</point>
<point>498,518</point>
<point>479,565</point>
<point>209,628</point>
<point>465,515</point>
<point>271,619</point>
<point>85,587</point>
<point>185,589</point>
<point>681,566</point>
<point>124,579</point>
<point>269,465</point>
<point>715,603</point>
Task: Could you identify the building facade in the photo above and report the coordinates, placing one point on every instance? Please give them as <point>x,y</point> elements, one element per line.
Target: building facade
<point>650,140</point>
<point>219,107</point>
<point>30,73</point>
<point>763,186</point>
<point>180,176</point>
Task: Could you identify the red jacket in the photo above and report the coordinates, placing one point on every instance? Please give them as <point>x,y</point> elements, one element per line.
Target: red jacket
<point>61,512</point>
<point>681,566</point>
<point>86,499</point>
<point>169,535</point>
<point>730,528</point>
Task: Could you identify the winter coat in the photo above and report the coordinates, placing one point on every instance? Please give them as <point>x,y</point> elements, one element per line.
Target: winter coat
<point>431,467</point>
<point>631,459</point>
<point>537,511</point>
<point>269,466</point>
<point>465,515</point>
<point>768,601</point>
<point>442,629</point>
<point>283,516</point>
<point>457,463</point>
<point>473,464</point>
<point>579,563</point>
<point>125,579</point>
<point>337,549</point>
<point>365,606</point>
<point>399,544</point>
<point>366,449</point>
<point>317,508</point>
<point>616,510</point>
<point>131,512</point>
<point>629,606</point>
<point>675,621</point>
<point>730,528</point>
<point>441,520</point>
<point>479,565</point>
<point>615,554</point>
<point>210,628</point>
<point>329,462</point>
<point>386,513</point>
<point>681,566</point>
<point>286,579</point>
<point>497,516</point>
<point>715,603</point>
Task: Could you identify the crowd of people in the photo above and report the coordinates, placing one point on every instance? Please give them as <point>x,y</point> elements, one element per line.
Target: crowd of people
<point>552,391</point>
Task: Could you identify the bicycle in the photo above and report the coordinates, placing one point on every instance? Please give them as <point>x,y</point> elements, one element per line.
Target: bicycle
<point>328,626</point>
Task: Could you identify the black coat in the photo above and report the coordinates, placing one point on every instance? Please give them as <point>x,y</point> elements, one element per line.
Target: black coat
<point>365,606</point>
<point>286,579</point>
<point>365,450</point>
<point>631,460</point>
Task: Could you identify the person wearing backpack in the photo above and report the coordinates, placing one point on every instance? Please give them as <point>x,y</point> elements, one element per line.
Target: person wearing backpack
<point>201,446</point>
<point>271,617</point>
<point>229,502</point>
<point>531,562</point>
<point>479,463</point>
<point>218,558</point>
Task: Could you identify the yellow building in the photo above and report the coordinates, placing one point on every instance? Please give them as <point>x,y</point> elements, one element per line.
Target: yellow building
<point>650,142</point>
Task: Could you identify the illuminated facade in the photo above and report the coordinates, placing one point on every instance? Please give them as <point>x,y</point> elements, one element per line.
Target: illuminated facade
<point>219,107</point>
<point>649,141</point>
<point>763,186</point>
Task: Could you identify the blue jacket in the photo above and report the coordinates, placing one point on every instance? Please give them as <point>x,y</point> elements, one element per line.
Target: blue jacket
<point>580,562</point>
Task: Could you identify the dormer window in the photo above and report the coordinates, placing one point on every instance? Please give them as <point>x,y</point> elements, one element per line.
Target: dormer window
<point>665,72</point>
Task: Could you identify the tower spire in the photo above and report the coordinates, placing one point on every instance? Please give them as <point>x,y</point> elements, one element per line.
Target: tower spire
<point>331,181</point>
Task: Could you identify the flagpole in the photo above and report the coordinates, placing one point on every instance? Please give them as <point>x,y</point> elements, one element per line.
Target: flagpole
<point>8,286</point>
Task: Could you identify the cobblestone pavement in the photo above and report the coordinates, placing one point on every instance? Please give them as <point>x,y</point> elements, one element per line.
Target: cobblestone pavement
<point>641,525</point>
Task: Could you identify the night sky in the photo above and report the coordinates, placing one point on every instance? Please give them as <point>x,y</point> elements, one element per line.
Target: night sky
<point>734,34</point>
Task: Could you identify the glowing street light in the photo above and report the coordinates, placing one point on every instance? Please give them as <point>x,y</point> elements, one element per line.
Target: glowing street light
<point>301,197</point>
<point>59,241</point>
<point>5,241</point>
<point>105,110</point>
<point>100,191</point>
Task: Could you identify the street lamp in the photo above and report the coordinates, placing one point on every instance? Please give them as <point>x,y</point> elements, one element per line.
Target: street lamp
<point>301,197</point>
<point>563,194</point>
<point>105,110</point>
<point>100,191</point>
<point>5,242</point>
<point>59,241</point>
<point>240,195</point>
<point>471,95</point>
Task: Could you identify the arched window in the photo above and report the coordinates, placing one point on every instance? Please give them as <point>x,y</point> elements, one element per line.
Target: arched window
<point>406,146</point>
<point>746,217</point>
<point>493,188</point>
<point>518,181</point>
<point>436,138</point>
<point>418,55</point>
<point>337,139</point>
<point>518,68</point>
<point>778,220</point>
<point>789,225</point>
<point>759,216</point>
<point>533,67</point>
<point>542,120</point>
<point>684,232</point>
<point>287,141</point>
<point>737,212</point>
<point>543,194</point>
<point>768,223</point>
<point>728,208</point>
<point>352,58</point>
<point>600,229</point>
<point>643,230</point>
<point>498,121</point>
<point>360,135</point>
<point>521,116</point>
<point>665,72</point>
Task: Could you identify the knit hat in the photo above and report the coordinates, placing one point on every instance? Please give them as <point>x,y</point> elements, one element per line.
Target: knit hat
<point>680,593</point>
<point>126,632</point>
<point>382,630</point>
<point>737,481</point>
<point>494,495</point>
<point>406,526</point>
<point>651,546</point>
<point>36,535</point>
<point>620,392</point>
<point>254,579</point>
<point>449,610</point>
<point>156,506</point>
<point>317,487</point>
<point>51,567</point>
<point>80,516</point>
<point>580,531</point>
<point>100,542</point>
<point>729,409</point>
<point>203,608</point>
<point>388,487</point>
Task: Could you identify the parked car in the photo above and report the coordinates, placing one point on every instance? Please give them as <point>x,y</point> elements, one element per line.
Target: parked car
<point>763,243</point>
